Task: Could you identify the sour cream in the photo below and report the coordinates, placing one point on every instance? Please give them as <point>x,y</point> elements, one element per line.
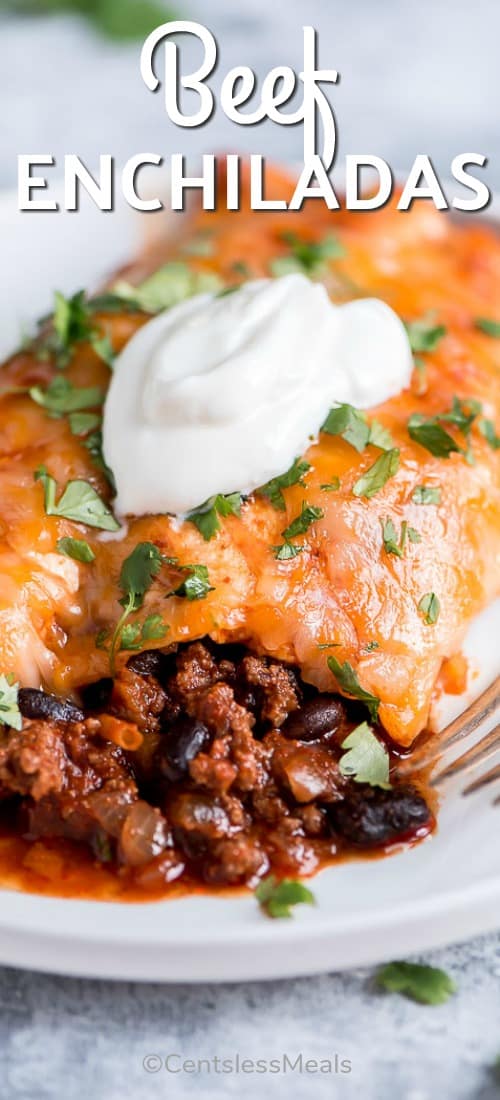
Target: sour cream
<point>220,393</point>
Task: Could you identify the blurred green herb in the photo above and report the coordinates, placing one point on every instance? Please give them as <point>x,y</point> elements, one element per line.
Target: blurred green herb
<point>123,20</point>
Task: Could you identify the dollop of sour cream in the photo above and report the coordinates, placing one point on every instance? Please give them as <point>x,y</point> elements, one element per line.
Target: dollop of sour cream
<point>220,393</point>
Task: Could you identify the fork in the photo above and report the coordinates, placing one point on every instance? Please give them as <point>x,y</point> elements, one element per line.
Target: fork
<point>463,731</point>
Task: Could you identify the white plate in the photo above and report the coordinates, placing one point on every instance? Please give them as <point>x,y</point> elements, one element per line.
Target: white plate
<point>445,889</point>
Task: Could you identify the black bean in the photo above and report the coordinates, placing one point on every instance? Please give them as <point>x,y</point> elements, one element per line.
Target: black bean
<point>316,719</point>
<point>39,704</point>
<point>96,696</point>
<point>373,816</point>
<point>148,663</point>
<point>181,744</point>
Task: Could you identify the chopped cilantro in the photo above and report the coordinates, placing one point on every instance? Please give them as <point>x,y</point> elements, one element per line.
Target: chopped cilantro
<point>430,434</point>
<point>430,607</point>
<point>380,436</point>
<point>273,488</point>
<point>377,475</point>
<point>153,628</point>
<point>426,984</point>
<point>366,759</point>
<point>10,715</point>
<point>136,576</point>
<point>71,324</point>
<point>348,681</point>
<point>308,257</point>
<point>196,585</point>
<point>206,517</point>
<point>428,431</point>
<point>286,550</point>
<point>424,335</point>
<point>390,539</point>
<point>330,486</point>
<point>350,423</point>
<point>308,515</point>
<point>78,549</point>
<point>93,443</point>
<point>171,284</point>
<point>487,429</point>
<point>112,303</point>
<point>488,326</point>
<point>241,268</point>
<point>427,494</point>
<point>82,422</point>
<point>276,897</point>
<point>79,502</point>
<point>61,397</point>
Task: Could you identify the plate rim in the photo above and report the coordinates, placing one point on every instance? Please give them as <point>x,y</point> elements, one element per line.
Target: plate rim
<point>30,937</point>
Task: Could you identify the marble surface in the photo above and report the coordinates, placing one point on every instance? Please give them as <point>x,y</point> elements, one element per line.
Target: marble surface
<point>414,78</point>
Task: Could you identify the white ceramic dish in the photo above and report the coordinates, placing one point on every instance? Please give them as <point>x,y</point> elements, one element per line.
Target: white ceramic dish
<point>444,890</point>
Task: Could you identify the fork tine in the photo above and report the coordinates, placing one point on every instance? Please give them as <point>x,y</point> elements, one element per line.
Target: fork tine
<point>481,752</point>
<point>461,727</point>
<point>484,781</point>
<point>471,718</point>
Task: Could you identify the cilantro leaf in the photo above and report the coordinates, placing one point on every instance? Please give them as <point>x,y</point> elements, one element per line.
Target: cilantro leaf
<point>127,20</point>
<point>349,683</point>
<point>130,636</point>
<point>308,515</point>
<point>430,607</point>
<point>366,759</point>
<point>78,549</point>
<point>138,572</point>
<point>430,434</point>
<point>424,335</point>
<point>286,551</point>
<point>428,431</point>
<point>196,585</point>
<point>487,429</point>
<point>82,422</point>
<point>350,423</point>
<point>71,319</point>
<point>206,517</point>
<point>462,414</point>
<point>112,303</point>
<point>153,628</point>
<point>71,323</point>
<point>426,984</point>
<point>427,494</point>
<point>10,715</point>
<point>79,502</point>
<point>136,576</point>
<point>390,538</point>
<point>61,397</point>
<point>273,488</point>
<point>377,475</point>
<point>308,257</point>
<point>121,20</point>
<point>489,327</point>
<point>93,443</point>
<point>380,436</point>
<point>276,897</point>
<point>103,347</point>
<point>330,486</point>
<point>172,283</point>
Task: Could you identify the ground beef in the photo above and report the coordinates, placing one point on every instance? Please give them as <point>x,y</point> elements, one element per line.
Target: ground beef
<point>236,771</point>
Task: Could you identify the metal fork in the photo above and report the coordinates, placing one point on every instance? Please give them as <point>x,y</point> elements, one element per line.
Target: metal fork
<point>463,732</point>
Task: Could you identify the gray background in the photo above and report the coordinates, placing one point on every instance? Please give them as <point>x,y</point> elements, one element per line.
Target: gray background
<point>415,78</point>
